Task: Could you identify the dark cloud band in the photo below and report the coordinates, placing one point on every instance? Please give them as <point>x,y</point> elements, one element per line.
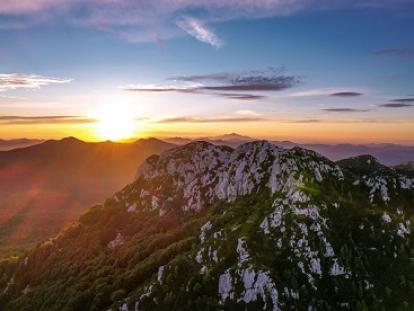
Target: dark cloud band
<point>220,84</point>
<point>396,105</point>
<point>403,100</point>
<point>191,119</point>
<point>16,120</point>
<point>346,94</point>
<point>345,110</point>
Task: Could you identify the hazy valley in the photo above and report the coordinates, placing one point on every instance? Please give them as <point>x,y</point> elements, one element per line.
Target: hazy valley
<point>44,186</point>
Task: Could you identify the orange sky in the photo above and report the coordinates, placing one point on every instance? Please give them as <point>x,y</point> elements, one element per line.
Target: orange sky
<point>358,132</point>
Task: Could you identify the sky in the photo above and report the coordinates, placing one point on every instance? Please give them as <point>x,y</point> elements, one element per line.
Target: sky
<point>302,70</point>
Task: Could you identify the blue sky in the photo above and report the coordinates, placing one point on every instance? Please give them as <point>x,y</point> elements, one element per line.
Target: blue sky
<point>95,53</point>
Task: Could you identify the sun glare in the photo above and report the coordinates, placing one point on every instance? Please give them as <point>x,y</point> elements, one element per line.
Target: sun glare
<point>115,123</point>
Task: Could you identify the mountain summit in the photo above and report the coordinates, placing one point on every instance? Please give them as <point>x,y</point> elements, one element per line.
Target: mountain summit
<point>207,227</point>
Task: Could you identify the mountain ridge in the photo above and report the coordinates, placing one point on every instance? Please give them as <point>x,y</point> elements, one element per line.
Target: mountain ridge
<point>210,227</point>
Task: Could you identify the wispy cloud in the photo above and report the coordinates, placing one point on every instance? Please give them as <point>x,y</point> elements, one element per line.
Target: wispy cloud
<point>195,28</point>
<point>193,119</point>
<point>149,20</point>
<point>352,121</point>
<point>345,110</point>
<point>21,120</point>
<point>396,105</point>
<point>306,121</point>
<point>240,7</point>
<point>13,97</point>
<point>346,94</point>
<point>404,100</point>
<point>248,113</point>
<point>259,118</point>
<point>160,88</point>
<point>399,103</point>
<point>11,81</point>
<point>333,92</point>
<point>396,52</point>
<point>225,84</point>
<point>240,96</point>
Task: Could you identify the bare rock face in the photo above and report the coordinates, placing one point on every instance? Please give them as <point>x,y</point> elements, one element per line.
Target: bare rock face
<point>201,172</point>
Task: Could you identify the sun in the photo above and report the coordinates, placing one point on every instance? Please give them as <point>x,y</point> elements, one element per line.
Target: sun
<point>115,122</point>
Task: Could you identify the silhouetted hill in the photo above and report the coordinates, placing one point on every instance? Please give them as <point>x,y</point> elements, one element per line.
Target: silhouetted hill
<point>46,185</point>
<point>8,144</point>
<point>405,168</point>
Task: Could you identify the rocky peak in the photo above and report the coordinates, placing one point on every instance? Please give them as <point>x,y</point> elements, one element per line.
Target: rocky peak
<point>201,172</point>
<point>195,158</point>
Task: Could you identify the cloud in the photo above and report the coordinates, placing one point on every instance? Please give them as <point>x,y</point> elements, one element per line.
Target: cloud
<point>346,94</point>
<point>258,118</point>
<point>271,79</point>
<point>345,110</point>
<point>247,113</point>
<point>225,84</point>
<point>306,121</point>
<point>240,96</point>
<point>221,76</point>
<point>403,100</point>
<point>149,20</point>
<point>161,88</point>
<point>308,93</point>
<point>240,7</point>
<point>192,119</point>
<point>14,97</point>
<point>351,121</point>
<point>399,103</point>
<point>195,28</point>
<point>396,52</point>
<point>334,92</point>
<point>21,120</point>
<point>11,81</point>
<point>396,105</point>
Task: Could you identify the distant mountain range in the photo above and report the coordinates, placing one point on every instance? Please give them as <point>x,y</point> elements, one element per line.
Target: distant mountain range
<point>232,139</point>
<point>49,184</point>
<point>389,154</point>
<point>386,153</point>
<point>208,227</point>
